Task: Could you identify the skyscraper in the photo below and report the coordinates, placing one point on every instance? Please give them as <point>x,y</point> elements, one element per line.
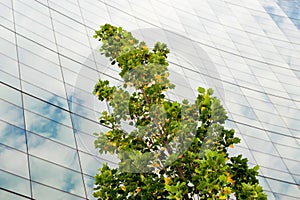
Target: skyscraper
<point>247,51</point>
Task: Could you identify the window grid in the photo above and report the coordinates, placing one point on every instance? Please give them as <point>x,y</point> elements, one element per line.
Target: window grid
<point>231,54</point>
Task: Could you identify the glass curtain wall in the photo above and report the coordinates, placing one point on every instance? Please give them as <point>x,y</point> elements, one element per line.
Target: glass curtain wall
<point>247,51</point>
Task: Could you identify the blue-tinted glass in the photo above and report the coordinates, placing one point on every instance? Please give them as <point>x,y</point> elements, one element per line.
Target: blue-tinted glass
<point>48,110</point>
<point>89,182</point>
<point>14,183</point>
<point>291,8</point>
<point>12,136</point>
<point>252,45</point>
<point>43,94</point>
<point>55,176</point>
<point>49,128</point>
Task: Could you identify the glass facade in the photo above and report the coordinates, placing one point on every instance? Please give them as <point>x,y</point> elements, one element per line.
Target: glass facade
<point>247,51</point>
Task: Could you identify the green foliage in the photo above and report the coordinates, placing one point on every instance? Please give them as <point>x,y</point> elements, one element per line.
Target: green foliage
<point>174,150</point>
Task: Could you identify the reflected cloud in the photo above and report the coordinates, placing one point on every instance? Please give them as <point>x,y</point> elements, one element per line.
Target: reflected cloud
<point>14,183</point>
<point>12,136</point>
<point>49,128</point>
<point>56,176</point>
<point>47,110</point>
<point>18,166</point>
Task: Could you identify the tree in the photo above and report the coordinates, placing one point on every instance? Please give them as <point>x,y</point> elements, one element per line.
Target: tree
<point>166,149</point>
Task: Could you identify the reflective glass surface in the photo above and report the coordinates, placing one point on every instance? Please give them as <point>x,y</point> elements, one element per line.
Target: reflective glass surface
<point>56,176</point>
<point>14,183</point>
<point>247,51</point>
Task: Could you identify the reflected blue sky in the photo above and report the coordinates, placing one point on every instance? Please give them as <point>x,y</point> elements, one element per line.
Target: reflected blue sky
<point>46,120</point>
<point>12,136</point>
<point>45,109</point>
<point>71,184</point>
<point>14,183</point>
<point>291,8</point>
<point>50,129</point>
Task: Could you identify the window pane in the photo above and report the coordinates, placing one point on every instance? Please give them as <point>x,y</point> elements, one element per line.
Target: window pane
<point>13,161</point>
<point>42,80</point>
<point>8,65</point>
<point>39,63</point>
<point>11,113</point>
<point>10,196</point>
<point>85,125</point>
<point>86,143</point>
<point>8,48</point>
<point>9,79</point>
<point>269,161</point>
<point>7,34</point>
<point>12,136</point>
<point>80,98</point>
<point>37,49</point>
<point>277,174</point>
<point>89,184</point>
<point>14,183</point>
<point>6,17</point>
<point>10,95</point>
<point>289,152</point>
<point>47,193</point>
<point>55,176</point>
<point>293,166</point>
<point>47,110</point>
<point>60,154</point>
<point>284,188</point>
<point>48,128</point>
<point>45,95</point>
<point>260,145</point>
<point>32,10</point>
<point>90,164</point>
